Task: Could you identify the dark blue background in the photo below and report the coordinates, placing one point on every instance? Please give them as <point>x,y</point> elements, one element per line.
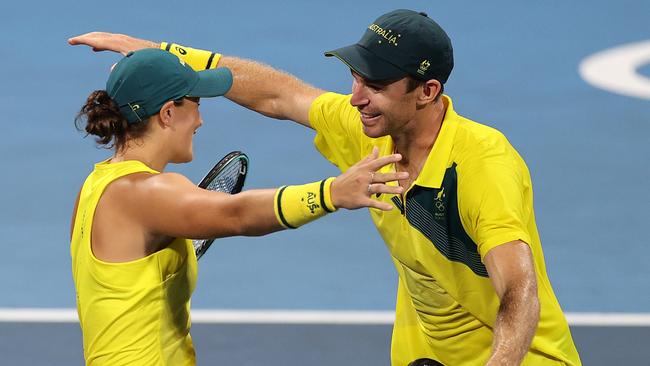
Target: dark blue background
<point>516,69</point>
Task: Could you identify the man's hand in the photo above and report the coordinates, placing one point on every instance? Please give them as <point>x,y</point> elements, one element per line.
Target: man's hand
<point>121,43</point>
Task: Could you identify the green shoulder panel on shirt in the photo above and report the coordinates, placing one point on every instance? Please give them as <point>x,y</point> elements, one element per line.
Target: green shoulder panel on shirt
<point>434,212</point>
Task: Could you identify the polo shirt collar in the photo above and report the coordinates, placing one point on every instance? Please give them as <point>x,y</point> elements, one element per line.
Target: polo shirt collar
<point>437,162</point>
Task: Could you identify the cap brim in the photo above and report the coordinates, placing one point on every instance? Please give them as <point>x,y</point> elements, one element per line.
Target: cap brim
<point>212,83</point>
<point>366,63</point>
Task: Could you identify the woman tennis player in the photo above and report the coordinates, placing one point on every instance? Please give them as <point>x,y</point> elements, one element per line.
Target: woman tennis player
<point>133,269</point>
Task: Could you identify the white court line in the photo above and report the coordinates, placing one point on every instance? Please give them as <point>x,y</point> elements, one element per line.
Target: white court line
<point>292,317</point>
<point>617,69</point>
<point>609,319</point>
<point>41,315</point>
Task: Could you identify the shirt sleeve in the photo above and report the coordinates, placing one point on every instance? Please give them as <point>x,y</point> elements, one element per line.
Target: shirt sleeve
<point>494,203</point>
<point>339,137</point>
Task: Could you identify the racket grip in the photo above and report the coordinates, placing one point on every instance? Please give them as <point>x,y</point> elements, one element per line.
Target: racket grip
<point>197,59</point>
<point>298,205</point>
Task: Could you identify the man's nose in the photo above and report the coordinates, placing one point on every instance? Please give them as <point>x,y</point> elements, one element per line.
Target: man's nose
<point>359,96</point>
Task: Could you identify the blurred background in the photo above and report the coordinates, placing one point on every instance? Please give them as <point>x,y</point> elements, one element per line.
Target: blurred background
<point>519,68</point>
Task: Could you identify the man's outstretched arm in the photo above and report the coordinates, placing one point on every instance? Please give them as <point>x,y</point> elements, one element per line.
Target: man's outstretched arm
<point>256,86</point>
<point>273,93</point>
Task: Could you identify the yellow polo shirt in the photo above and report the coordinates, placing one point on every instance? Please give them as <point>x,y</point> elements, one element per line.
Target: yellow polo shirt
<point>473,194</point>
<point>136,312</point>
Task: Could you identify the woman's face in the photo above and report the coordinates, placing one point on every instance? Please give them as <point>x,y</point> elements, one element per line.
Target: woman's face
<point>187,119</point>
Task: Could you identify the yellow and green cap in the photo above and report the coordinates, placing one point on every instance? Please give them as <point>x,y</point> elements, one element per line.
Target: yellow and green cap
<point>144,80</point>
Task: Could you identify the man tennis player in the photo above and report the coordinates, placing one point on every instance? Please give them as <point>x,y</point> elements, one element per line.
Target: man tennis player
<point>473,288</point>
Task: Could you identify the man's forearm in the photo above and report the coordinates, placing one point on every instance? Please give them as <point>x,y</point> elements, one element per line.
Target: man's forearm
<point>269,91</point>
<point>515,326</point>
<point>256,86</point>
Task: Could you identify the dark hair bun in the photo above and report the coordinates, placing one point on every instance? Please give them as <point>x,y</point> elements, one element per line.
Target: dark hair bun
<point>103,119</point>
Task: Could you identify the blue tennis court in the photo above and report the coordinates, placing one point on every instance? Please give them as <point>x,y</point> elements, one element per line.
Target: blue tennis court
<point>518,68</point>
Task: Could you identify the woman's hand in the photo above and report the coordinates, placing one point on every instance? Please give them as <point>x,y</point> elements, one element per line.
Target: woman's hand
<point>354,188</point>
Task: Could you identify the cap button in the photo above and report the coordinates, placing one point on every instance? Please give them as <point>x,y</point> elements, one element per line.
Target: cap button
<point>129,54</point>
<point>424,14</point>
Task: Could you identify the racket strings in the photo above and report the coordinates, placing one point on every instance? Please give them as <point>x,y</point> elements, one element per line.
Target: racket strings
<point>229,178</point>
<point>226,180</point>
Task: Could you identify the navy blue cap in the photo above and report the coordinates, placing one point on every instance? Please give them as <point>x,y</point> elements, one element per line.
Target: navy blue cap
<point>400,43</point>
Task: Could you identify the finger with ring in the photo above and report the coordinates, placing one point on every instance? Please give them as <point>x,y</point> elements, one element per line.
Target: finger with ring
<point>370,188</point>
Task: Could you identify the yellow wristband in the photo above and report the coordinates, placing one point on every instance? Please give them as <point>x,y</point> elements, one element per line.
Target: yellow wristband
<point>298,205</point>
<point>197,59</point>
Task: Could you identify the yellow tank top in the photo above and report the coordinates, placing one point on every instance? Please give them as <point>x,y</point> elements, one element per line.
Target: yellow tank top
<point>137,312</point>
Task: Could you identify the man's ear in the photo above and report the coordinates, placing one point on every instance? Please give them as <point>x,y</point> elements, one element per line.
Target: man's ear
<point>166,113</point>
<point>429,92</point>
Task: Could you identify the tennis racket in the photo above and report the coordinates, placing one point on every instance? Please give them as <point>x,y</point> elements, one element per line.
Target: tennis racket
<point>227,176</point>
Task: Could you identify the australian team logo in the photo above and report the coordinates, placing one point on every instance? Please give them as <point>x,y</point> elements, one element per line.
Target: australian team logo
<point>439,203</point>
<point>424,66</point>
